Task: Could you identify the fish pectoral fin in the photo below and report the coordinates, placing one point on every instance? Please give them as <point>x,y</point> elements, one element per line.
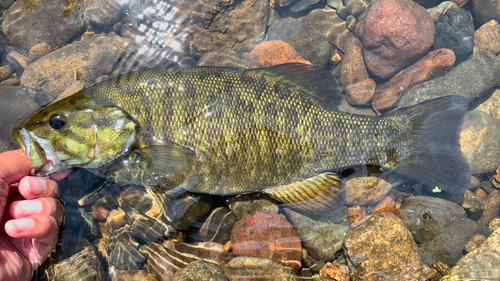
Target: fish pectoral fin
<point>166,160</point>
<point>320,194</point>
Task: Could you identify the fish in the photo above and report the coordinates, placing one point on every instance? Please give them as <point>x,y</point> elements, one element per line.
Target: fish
<point>228,131</point>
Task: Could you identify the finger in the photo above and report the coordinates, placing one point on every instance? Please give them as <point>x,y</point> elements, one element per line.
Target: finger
<point>41,227</point>
<point>13,166</point>
<point>60,175</point>
<point>36,187</point>
<point>42,206</point>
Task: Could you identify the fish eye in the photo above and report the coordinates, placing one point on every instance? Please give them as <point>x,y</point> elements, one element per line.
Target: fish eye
<point>57,121</point>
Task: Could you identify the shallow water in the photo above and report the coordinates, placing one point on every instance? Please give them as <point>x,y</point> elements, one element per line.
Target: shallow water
<point>388,228</point>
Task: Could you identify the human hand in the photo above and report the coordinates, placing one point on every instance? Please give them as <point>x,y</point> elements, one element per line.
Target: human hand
<point>31,216</point>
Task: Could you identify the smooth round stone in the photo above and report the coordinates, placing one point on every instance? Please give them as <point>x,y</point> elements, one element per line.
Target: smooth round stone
<point>366,190</point>
<point>216,227</point>
<point>126,257</point>
<point>254,269</point>
<point>200,270</point>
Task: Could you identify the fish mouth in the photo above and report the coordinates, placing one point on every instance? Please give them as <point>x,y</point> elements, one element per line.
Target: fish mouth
<point>40,156</point>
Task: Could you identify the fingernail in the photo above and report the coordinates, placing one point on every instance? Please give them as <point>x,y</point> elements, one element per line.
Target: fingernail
<point>28,207</point>
<point>20,225</point>
<point>37,186</point>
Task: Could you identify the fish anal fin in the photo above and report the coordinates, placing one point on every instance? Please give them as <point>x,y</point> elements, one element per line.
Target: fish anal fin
<point>320,194</point>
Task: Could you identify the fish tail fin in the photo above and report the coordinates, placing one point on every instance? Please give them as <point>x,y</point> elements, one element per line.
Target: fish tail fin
<point>435,158</point>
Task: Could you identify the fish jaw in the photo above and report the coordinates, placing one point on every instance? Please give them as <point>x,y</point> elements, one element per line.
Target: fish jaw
<point>38,152</point>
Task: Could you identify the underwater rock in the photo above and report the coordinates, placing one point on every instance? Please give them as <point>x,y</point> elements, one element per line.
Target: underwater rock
<point>51,21</point>
<point>269,235</point>
<point>366,190</point>
<point>200,270</point>
<point>228,58</point>
<point>381,247</point>
<point>121,236</point>
<point>276,52</point>
<point>491,208</point>
<point>103,12</point>
<point>356,7</point>
<point>331,26</point>
<point>255,269</point>
<point>216,227</point>
<point>455,31</point>
<point>479,140</point>
<point>39,50</point>
<point>194,208</point>
<point>88,59</point>
<point>487,37</point>
<point>386,205</point>
<point>435,63</point>
<point>356,214</point>
<point>436,11</point>
<point>15,104</point>
<point>485,10</point>
<point>314,48</point>
<point>239,28</point>
<point>245,204</point>
<point>494,224</point>
<point>478,74</point>
<point>303,5</point>
<point>133,275</point>
<point>474,242</point>
<point>126,257</point>
<point>18,61</point>
<point>42,98</point>
<point>395,34</point>
<point>316,231</point>
<point>473,202</point>
<point>419,222</point>
<point>354,77</point>
<point>334,271</point>
<point>6,71</point>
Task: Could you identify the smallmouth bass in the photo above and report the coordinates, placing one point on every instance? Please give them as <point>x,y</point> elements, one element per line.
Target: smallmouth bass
<point>232,131</point>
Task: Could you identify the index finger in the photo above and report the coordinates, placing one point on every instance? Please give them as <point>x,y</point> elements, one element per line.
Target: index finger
<point>13,166</point>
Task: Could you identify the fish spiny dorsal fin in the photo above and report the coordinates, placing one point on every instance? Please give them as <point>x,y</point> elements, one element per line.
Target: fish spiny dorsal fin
<point>320,194</point>
<point>319,83</point>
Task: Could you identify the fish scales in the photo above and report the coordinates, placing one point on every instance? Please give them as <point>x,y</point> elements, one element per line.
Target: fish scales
<point>252,131</point>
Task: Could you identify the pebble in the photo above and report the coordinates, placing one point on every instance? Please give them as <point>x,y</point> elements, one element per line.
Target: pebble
<point>386,205</point>
<point>195,207</point>
<point>88,59</point>
<point>433,65</point>
<point>39,50</point>
<point>245,204</point>
<point>356,214</point>
<point>474,242</point>
<point>5,71</point>
<point>382,246</point>
<point>315,49</point>
<point>240,28</point>
<point>436,11</point>
<point>133,275</point>
<point>354,77</point>
<point>355,7</point>
<point>15,104</point>
<point>479,139</point>
<point>269,235</point>
<point>256,269</point>
<point>366,190</point>
<point>494,224</point>
<point>395,34</point>
<point>18,61</point>
<point>303,5</point>
<point>42,98</point>
<point>228,58</point>
<point>485,10</point>
<point>200,270</point>
<point>276,52</point>
<point>216,227</point>
<point>51,21</point>
<point>472,202</point>
<point>478,74</point>
<point>335,4</point>
<point>455,31</point>
<point>316,231</point>
<point>487,37</point>
<point>334,271</point>
<point>103,12</point>
<point>126,257</point>
<point>491,208</point>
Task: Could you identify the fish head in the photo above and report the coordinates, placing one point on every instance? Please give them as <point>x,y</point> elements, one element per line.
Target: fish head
<point>78,131</point>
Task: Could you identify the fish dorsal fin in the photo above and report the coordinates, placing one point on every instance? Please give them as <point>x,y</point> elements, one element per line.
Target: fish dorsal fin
<point>165,159</point>
<point>320,194</point>
<point>321,84</point>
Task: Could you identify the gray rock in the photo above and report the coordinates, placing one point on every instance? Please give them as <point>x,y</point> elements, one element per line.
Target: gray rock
<point>87,60</point>
<point>126,257</point>
<point>6,72</point>
<point>422,226</point>
<point>478,74</point>
<point>200,271</point>
<point>39,50</point>
<point>436,11</point>
<point>42,98</point>
<point>455,31</point>
<point>216,227</point>
<point>303,5</point>
<point>103,12</point>
<point>485,10</point>
<point>335,4</point>
<point>307,41</point>
<point>316,231</point>
<point>330,25</point>
<point>19,62</point>
<point>15,105</point>
<point>246,204</point>
<point>54,22</point>
<point>355,7</point>
<point>254,269</point>
<point>479,141</point>
<point>228,58</point>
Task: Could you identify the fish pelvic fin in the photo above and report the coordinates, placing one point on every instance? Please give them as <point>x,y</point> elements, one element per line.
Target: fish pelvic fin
<point>435,158</point>
<point>320,194</point>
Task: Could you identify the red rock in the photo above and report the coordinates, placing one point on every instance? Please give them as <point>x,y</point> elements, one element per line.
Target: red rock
<point>354,77</point>
<point>276,52</point>
<point>487,37</point>
<point>434,64</point>
<point>39,50</point>
<point>386,205</point>
<point>100,213</point>
<point>395,34</point>
<point>355,214</point>
<point>334,272</point>
<point>267,235</point>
